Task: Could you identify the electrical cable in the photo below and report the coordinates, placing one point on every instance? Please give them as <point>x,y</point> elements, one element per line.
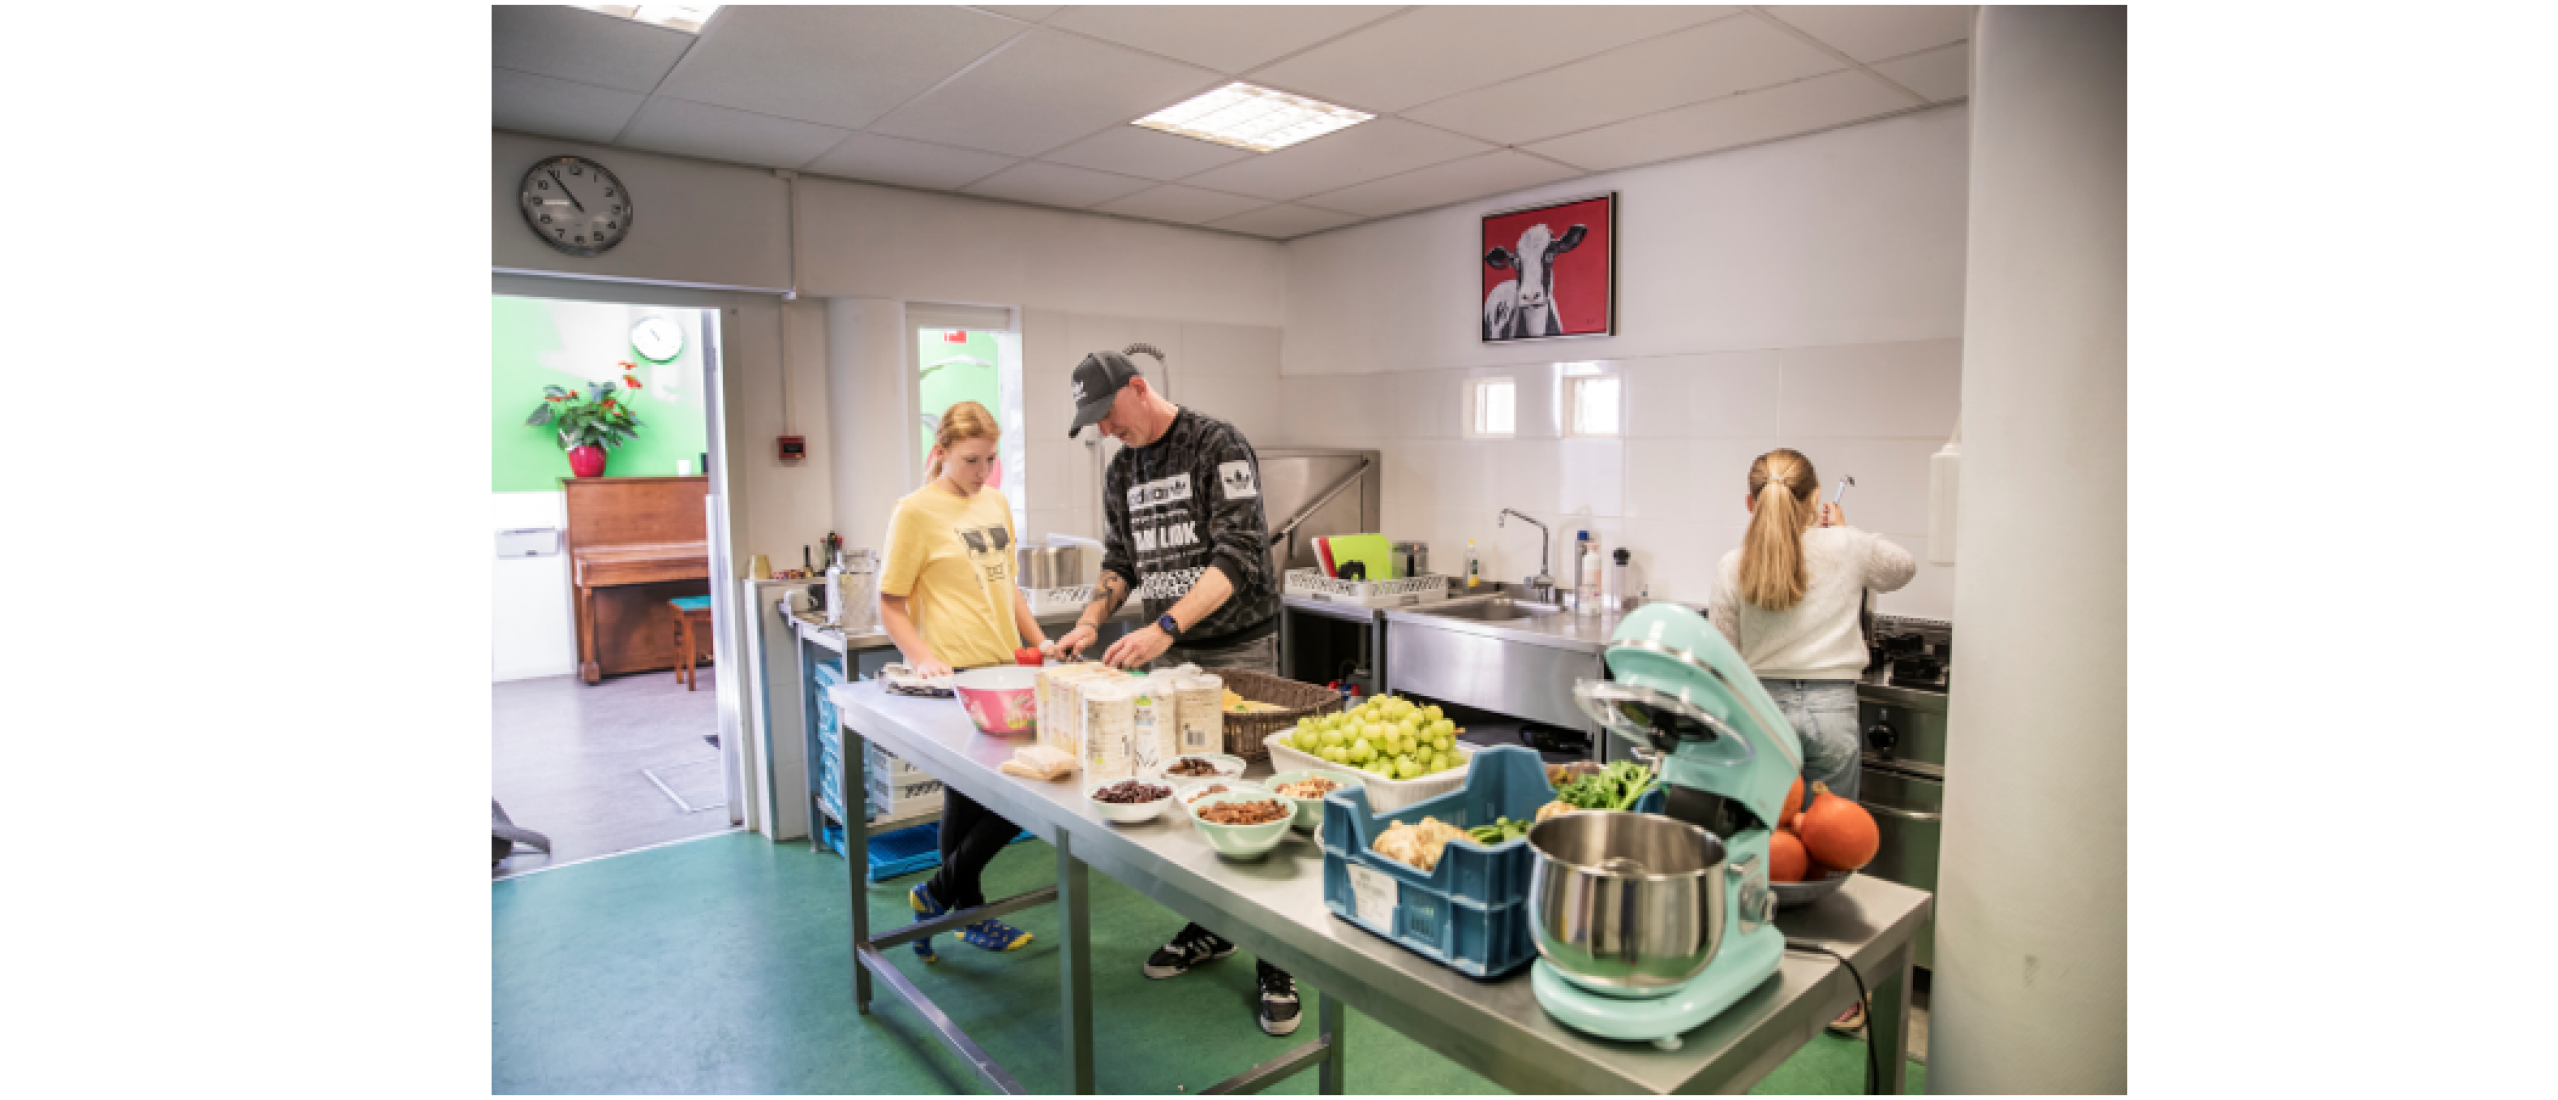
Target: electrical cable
<point>1873,1063</point>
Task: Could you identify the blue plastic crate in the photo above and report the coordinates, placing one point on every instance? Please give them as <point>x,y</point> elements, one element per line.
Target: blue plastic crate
<point>900,852</point>
<point>1471,912</point>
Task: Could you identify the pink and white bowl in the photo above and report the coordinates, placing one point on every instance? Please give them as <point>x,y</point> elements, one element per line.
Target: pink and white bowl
<point>1002,699</point>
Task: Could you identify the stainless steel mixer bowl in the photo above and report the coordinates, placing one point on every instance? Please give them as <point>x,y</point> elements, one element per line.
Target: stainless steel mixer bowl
<point>1049,565</point>
<point>1628,904</point>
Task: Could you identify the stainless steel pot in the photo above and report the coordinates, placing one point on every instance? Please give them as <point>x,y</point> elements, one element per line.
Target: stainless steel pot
<point>1049,565</point>
<point>1627,904</point>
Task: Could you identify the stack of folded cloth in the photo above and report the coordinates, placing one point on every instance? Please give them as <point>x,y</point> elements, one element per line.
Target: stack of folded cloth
<point>1039,762</point>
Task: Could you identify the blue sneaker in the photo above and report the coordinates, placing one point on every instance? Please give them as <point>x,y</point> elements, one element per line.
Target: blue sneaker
<point>921,901</point>
<point>993,935</point>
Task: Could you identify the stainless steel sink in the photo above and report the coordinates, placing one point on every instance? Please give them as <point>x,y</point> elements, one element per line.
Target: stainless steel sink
<point>1498,609</point>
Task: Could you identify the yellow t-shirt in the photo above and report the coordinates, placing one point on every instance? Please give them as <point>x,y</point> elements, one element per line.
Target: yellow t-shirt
<point>953,560</point>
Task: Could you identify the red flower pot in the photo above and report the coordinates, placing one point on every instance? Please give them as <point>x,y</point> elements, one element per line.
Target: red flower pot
<point>586,461</point>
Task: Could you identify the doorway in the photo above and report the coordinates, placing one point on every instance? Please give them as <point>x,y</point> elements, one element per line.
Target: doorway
<point>605,737</point>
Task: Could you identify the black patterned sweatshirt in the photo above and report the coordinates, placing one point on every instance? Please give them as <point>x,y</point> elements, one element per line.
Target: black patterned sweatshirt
<point>1190,500</point>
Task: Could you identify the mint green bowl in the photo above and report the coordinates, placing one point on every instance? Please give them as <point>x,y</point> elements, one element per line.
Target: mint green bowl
<point>1241,841</point>
<point>1310,810</point>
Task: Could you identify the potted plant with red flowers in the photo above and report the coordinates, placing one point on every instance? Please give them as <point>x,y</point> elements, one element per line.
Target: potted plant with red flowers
<point>590,421</point>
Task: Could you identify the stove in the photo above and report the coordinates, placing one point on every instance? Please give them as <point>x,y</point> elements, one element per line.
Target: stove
<point>1901,707</point>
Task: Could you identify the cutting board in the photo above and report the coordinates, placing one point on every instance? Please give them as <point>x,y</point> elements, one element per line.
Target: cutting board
<point>1374,551</point>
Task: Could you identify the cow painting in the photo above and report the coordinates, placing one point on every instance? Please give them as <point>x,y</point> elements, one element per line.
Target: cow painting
<point>1545,283</point>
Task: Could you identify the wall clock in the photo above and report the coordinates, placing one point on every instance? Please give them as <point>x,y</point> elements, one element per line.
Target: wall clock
<point>658,339</point>
<point>576,205</point>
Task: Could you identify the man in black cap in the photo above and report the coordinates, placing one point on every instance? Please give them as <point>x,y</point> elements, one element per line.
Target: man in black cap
<point>1184,530</point>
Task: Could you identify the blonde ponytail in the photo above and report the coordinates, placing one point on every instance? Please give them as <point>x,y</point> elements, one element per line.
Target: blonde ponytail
<point>962,421</point>
<point>1782,481</point>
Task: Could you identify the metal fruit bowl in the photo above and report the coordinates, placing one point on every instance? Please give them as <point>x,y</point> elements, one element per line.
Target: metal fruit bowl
<point>1795,895</point>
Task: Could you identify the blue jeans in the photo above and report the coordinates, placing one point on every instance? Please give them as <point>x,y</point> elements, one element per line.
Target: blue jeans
<point>1823,713</point>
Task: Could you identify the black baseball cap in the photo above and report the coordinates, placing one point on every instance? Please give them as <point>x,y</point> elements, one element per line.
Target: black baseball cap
<point>1096,384</point>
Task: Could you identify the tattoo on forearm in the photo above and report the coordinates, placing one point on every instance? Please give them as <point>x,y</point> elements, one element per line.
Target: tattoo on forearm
<point>1108,595</point>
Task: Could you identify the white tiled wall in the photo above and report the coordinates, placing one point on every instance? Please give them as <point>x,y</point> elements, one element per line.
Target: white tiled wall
<point>1674,491</point>
<point>1805,293</point>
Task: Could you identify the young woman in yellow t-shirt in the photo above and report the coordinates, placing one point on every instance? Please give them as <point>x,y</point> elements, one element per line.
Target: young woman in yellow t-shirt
<point>947,597</point>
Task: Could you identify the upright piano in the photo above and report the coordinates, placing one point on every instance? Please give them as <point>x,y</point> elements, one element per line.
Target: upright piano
<point>633,544</point>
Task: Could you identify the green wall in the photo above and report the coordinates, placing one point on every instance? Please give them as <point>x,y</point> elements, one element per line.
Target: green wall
<point>540,341</point>
<point>953,372</point>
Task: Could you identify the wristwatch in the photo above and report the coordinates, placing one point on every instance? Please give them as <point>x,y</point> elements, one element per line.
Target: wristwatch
<point>1169,627</point>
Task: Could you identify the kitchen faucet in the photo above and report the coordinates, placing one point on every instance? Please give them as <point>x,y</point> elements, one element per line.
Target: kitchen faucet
<point>1544,580</point>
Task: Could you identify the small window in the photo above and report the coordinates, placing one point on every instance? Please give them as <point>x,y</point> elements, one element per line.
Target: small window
<point>1492,408</point>
<point>1593,405</point>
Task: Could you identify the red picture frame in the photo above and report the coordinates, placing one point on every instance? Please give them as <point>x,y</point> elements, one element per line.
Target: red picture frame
<point>1565,286</point>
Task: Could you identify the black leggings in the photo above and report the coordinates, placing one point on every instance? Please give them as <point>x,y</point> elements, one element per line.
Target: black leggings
<point>970,836</point>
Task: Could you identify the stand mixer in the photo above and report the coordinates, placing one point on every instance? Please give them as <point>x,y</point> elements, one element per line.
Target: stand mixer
<point>1648,925</point>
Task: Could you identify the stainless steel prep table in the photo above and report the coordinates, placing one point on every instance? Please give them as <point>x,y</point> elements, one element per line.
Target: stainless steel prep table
<point>1273,907</point>
<point>1371,621</point>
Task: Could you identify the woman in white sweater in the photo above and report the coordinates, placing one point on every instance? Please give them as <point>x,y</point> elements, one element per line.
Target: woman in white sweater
<point>1788,600</point>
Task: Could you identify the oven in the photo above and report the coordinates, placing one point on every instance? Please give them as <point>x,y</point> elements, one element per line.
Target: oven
<point>1901,709</point>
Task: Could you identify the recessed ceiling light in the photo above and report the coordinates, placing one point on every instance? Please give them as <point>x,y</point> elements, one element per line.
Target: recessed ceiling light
<point>683,17</point>
<point>1255,118</point>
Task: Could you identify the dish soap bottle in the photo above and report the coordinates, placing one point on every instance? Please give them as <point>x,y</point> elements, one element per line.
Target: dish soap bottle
<point>1586,568</point>
<point>1474,568</point>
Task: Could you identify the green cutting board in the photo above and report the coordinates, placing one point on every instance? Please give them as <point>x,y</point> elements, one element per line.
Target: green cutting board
<point>1375,551</point>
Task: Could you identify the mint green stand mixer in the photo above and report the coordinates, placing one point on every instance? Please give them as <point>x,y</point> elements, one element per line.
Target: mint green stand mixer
<point>1648,925</point>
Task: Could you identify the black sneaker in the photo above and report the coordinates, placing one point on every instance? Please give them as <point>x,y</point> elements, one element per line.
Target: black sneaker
<point>1278,1000</point>
<point>1193,946</point>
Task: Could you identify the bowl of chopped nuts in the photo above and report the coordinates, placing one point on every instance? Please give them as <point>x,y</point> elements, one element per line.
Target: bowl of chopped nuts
<point>1306,787</point>
<point>1243,824</point>
<point>1203,765</point>
<point>1128,801</point>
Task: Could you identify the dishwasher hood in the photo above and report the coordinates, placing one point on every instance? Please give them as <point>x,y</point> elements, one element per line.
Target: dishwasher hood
<point>1317,492</point>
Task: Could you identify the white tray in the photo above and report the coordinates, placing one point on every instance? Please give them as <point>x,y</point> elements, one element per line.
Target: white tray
<point>1048,600</point>
<point>1384,795</point>
<point>1311,584</point>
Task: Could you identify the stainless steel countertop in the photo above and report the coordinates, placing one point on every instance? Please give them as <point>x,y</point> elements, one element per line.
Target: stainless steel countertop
<point>842,642</point>
<point>1569,630</point>
<point>1274,907</point>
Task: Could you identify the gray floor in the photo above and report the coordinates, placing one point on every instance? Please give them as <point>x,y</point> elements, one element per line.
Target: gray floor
<point>568,762</point>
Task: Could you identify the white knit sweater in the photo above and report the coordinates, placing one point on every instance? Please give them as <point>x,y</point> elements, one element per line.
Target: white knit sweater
<point>1818,638</point>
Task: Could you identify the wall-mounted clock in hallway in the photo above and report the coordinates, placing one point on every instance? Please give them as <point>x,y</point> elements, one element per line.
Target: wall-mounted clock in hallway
<point>658,339</point>
<point>576,205</point>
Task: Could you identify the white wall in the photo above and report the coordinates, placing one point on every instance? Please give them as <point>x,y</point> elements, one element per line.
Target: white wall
<point>1214,302</point>
<point>2031,929</point>
<point>1805,293</point>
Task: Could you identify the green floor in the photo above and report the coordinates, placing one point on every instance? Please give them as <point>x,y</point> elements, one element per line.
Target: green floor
<point>719,966</point>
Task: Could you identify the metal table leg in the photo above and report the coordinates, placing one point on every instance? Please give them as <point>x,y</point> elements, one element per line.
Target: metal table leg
<point>1887,1020</point>
<point>856,856</point>
<point>1074,889</point>
<point>1329,1021</point>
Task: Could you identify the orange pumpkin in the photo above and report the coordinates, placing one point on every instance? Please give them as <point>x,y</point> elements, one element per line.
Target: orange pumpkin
<point>1837,832</point>
<point>1786,859</point>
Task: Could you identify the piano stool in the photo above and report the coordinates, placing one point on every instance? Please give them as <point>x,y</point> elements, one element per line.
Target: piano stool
<point>689,610</point>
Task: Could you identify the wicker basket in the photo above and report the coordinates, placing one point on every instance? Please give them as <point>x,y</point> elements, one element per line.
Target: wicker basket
<point>1245,731</point>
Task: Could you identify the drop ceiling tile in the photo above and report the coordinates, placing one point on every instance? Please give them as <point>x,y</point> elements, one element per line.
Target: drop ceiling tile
<point>1872,32</point>
<point>1439,51</point>
<point>1284,221</point>
<point>1043,90</point>
<point>1440,184</point>
<point>1056,185</point>
<point>1798,108</point>
<point>584,46</point>
<point>560,108</point>
<point>1940,75</point>
<point>1700,63</point>
<point>907,163</point>
<point>1370,150</point>
<point>1227,39</point>
<point>839,66</point>
<point>1188,205</point>
<point>1137,151</point>
<point>669,125</point>
<point>1027,13</point>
